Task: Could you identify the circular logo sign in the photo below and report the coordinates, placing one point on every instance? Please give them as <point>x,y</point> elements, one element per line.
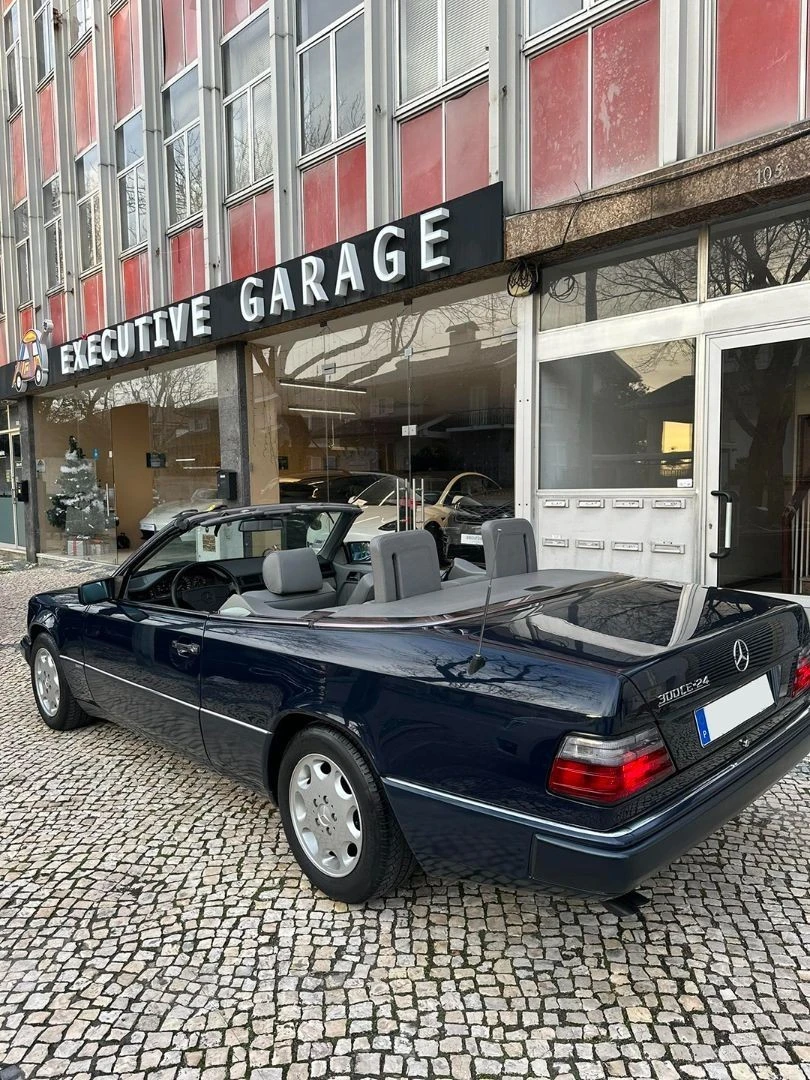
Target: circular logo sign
<point>741,655</point>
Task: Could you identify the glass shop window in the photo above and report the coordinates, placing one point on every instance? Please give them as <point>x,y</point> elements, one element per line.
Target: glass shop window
<point>618,419</point>
<point>756,254</point>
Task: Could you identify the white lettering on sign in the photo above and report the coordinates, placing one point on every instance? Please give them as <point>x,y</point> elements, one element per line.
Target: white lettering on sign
<point>142,324</point>
<point>430,237</point>
<point>201,316</point>
<point>348,272</point>
<point>252,307</point>
<point>160,319</point>
<point>108,350</point>
<point>126,340</point>
<point>178,317</point>
<point>66,354</point>
<point>389,265</point>
<point>80,352</point>
<point>94,350</point>
<point>312,291</point>
<point>281,298</point>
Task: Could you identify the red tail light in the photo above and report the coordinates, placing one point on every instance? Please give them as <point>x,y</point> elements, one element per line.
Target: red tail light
<point>801,680</point>
<point>608,770</point>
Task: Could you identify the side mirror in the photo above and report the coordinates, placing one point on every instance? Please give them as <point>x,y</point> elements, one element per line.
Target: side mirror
<point>96,592</point>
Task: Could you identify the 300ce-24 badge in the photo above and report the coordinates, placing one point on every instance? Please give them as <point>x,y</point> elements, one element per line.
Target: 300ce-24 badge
<point>682,691</point>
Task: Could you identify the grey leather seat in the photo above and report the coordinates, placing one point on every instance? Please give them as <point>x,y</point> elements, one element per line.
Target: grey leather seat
<point>294,583</point>
<point>404,564</point>
<point>363,591</point>
<point>509,547</point>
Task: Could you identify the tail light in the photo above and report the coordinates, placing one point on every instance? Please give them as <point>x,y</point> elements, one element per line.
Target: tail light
<point>801,678</point>
<point>607,771</point>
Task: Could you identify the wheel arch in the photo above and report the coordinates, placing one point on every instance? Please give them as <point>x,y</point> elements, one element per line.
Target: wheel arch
<point>288,727</point>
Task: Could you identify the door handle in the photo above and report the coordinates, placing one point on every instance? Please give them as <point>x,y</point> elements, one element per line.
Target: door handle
<point>186,648</point>
<point>727,503</point>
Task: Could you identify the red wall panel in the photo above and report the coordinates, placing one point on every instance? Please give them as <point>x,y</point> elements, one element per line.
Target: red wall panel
<point>188,262</point>
<point>190,27</point>
<point>47,131</point>
<point>122,60</point>
<point>174,57</point>
<point>19,187</point>
<point>466,142</point>
<point>351,191</point>
<point>320,226</point>
<point>558,114</point>
<point>25,322</point>
<point>243,239</point>
<point>58,316</point>
<point>235,11</point>
<point>93,303</point>
<point>626,77</point>
<point>135,278</point>
<point>198,281</point>
<point>84,103</point>
<point>758,45</point>
<point>265,230</point>
<point>420,143</point>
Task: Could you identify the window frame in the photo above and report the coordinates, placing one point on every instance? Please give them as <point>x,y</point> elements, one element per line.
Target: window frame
<point>169,140</point>
<point>593,12</point>
<point>444,88</point>
<point>336,142</point>
<point>25,296</point>
<point>13,54</point>
<point>93,200</point>
<point>121,175</point>
<point>54,223</point>
<point>83,32</point>
<point>246,90</point>
<point>44,11</point>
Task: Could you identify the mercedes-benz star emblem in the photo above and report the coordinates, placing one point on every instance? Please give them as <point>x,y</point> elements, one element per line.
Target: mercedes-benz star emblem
<point>741,655</point>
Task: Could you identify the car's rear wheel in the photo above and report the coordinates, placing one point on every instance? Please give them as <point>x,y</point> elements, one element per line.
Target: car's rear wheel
<point>337,820</point>
<point>57,705</point>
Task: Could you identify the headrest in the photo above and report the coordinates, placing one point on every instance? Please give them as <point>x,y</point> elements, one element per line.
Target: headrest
<point>404,564</point>
<point>509,547</point>
<point>296,571</point>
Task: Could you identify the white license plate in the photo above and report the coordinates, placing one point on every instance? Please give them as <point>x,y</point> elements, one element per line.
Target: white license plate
<point>720,717</point>
<point>472,538</point>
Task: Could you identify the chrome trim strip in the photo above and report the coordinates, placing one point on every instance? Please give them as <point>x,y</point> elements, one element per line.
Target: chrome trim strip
<point>80,663</point>
<point>233,720</point>
<point>578,831</point>
<point>140,686</point>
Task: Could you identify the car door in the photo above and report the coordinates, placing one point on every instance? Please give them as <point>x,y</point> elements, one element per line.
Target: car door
<point>142,663</point>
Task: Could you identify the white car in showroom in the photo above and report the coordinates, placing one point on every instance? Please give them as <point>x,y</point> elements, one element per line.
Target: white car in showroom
<point>201,500</point>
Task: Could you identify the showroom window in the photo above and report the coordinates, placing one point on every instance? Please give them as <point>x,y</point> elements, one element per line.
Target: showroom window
<point>52,213</point>
<point>11,36</point>
<point>131,181</point>
<point>22,241</point>
<point>332,58</point>
<point>89,205</point>
<point>247,92</point>
<point>760,252</point>
<point>81,19</point>
<point>181,123</point>
<point>633,410</point>
<point>411,414</point>
<point>43,39</point>
<point>630,280</point>
<point>440,41</point>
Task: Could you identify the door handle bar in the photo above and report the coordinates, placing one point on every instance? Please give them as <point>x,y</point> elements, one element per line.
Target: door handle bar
<point>727,504</point>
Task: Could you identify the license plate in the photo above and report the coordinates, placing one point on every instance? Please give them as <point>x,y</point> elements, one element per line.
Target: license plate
<point>472,538</point>
<point>720,717</point>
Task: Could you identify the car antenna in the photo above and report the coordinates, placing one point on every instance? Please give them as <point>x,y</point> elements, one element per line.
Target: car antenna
<point>477,661</point>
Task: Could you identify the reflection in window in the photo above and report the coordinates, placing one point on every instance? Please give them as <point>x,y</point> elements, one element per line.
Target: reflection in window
<point>628,282</point>
<point>546,13</point>
<point>744,256</point>
<point>247,92</point>
<point>333,100</point>
<point>633,411</point>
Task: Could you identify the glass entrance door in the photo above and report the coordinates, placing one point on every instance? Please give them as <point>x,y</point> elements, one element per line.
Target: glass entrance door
<point>12,519</point>
<point>759,516</point>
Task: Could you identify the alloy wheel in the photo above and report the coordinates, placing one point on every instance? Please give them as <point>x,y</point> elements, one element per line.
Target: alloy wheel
<point>325,815</point>
<point>46,680</point>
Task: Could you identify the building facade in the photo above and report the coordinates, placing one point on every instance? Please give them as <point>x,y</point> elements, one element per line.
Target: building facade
<point>646,163</point>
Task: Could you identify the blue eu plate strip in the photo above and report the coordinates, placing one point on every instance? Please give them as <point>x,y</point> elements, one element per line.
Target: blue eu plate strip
<point>703,727</point>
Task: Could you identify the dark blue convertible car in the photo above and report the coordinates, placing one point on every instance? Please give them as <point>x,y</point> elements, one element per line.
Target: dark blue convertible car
<point>569,730</point>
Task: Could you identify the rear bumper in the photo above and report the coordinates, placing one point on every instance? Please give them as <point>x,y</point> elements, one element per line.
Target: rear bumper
<point>459,835</point>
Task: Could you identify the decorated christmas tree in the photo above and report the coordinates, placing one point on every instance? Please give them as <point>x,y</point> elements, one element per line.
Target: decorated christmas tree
<point>79,507</point>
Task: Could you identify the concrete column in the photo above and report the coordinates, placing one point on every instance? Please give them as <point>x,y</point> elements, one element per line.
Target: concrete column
<point>380,100</point>
<point>285,135</point>
<point>29,473</point>
<point>233,415</point>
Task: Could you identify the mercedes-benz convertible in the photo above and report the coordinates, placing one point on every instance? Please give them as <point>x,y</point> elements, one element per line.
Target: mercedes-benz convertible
<point>569,730</point>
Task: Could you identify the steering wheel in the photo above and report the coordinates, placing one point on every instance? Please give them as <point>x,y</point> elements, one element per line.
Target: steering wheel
<point>204,597</point>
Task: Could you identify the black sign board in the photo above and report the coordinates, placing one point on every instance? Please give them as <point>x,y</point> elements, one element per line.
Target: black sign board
<point>461,235</point>
<point>155,460</point>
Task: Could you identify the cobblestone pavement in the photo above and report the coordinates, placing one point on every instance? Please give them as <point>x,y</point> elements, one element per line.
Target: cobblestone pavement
<point>153,924</point>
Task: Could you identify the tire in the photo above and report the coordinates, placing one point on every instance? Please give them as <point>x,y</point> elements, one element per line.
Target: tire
<point>381,860</point>
<point>18,384</point>
<point>55,702</point>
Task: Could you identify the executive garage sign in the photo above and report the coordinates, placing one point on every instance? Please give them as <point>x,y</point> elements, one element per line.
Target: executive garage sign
<point>461,235</point>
